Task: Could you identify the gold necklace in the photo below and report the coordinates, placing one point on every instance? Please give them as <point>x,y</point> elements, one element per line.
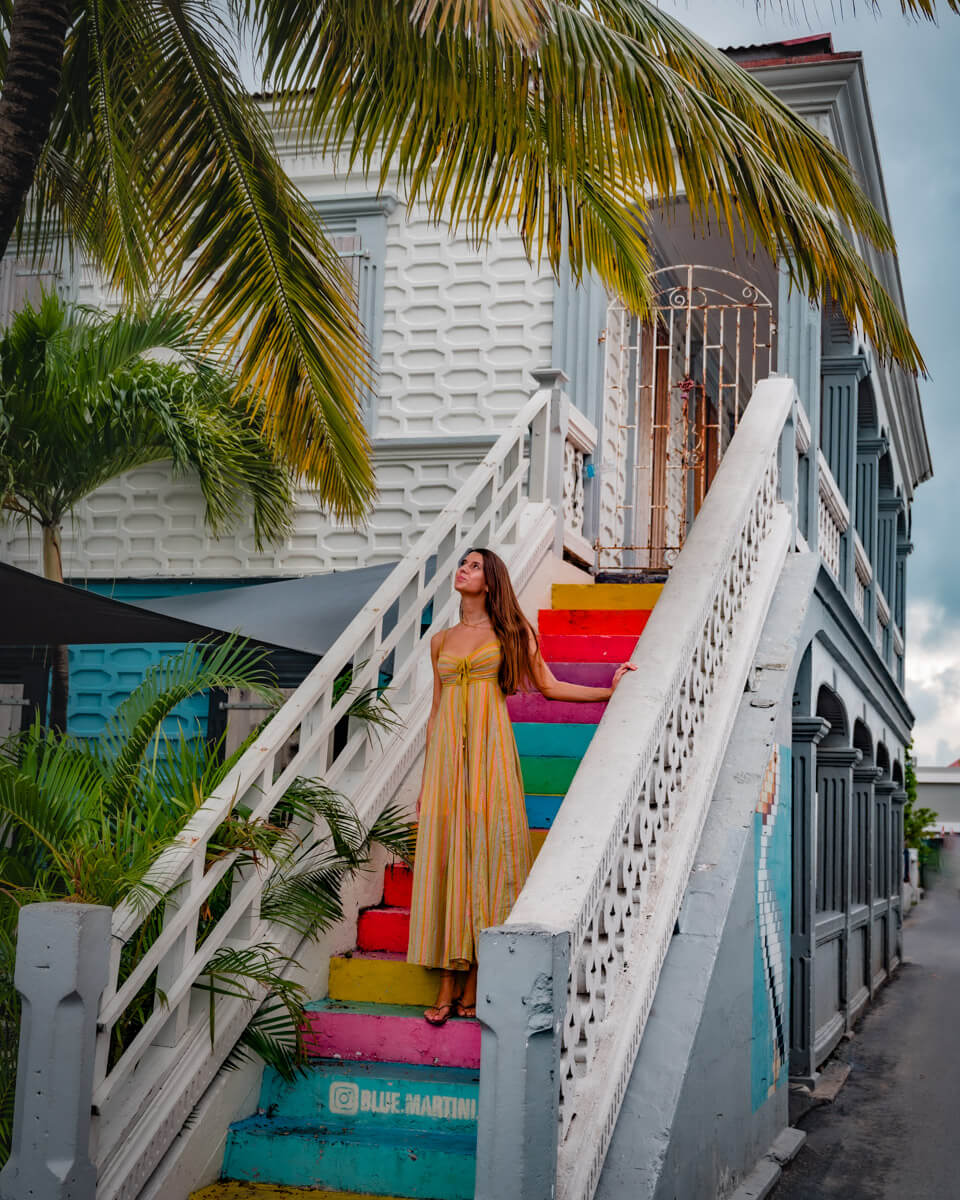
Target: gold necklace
<point>475,624</point>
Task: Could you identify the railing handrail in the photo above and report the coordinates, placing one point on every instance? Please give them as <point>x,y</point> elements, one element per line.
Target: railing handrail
<point>249,767</point>
<point>831,494</point>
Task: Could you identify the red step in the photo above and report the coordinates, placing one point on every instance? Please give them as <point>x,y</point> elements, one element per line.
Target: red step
<point>384,929</point>
<point>593,620</point>
<point>397,886</point>
<point>587,648</point>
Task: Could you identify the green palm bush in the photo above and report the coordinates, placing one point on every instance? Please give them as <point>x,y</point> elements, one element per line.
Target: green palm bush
<point>87,821</point>
<point>85,396</point>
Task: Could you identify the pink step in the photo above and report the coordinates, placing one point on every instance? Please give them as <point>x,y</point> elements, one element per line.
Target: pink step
<point>593,620</point>
<point>531,706</point>
<point>384,929</point>
<point>392,1034</point>
<point>397,886</point>
<point>587,648</point>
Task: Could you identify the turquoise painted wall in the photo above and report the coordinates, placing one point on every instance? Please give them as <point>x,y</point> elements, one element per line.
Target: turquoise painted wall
<point>101,676</point>
<point>769,1066</point>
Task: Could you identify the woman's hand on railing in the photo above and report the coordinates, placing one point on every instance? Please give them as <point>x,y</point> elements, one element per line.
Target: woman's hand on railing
<point>619,674</point>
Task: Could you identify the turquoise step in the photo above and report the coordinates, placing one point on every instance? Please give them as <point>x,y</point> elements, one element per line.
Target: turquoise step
<point>394,1162</point>
<point>356,1095</point>
<point>536,739</point>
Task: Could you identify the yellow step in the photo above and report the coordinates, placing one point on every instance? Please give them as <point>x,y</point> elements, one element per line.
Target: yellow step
<point>232,1190</point>
<point>606,595</point>
<point>372,980</point>
<point>538,837</point>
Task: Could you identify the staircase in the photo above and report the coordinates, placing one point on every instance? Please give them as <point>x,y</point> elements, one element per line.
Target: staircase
<point>389,1104</point>
<point>570,977</point>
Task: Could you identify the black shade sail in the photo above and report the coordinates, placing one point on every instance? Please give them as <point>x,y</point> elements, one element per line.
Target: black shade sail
<point>306,614</point>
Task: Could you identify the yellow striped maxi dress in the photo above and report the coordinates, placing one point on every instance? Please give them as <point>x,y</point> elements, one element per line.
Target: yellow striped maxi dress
<point>473,841</point>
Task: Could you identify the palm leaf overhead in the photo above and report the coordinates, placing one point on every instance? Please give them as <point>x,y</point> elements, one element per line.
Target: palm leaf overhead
<point>562,117</point>
<point>619,102</point>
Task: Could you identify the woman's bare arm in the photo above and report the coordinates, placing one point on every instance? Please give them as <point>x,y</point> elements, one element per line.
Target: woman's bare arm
<point>556,689</point>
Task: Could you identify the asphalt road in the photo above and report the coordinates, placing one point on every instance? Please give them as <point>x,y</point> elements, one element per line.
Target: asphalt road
<point>893,1133</point>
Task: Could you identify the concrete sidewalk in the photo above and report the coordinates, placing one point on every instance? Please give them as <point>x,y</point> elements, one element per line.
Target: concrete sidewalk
<point>891,1134</point>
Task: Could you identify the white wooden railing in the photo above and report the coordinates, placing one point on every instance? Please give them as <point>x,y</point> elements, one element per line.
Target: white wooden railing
<point>579,447</point>
<point>142,1098</point>
<point>610,878</point>
<point>833,516</point>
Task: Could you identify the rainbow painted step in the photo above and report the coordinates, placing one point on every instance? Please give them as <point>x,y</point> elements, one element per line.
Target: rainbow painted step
<point>592,621</point>
<point>350,1094</point>
<point>587,647</point>
<point>388,1033</point>
<point>407,1162</point>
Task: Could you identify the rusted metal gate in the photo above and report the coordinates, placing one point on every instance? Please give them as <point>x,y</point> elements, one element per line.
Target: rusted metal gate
<point>677,384</point>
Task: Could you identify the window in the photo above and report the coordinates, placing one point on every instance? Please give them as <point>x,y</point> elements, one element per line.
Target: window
<point>22,280</point>
<point>357,227</point>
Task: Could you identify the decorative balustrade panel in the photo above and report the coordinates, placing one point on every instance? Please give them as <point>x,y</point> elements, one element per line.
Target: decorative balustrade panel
<point>603,933</point>
<point>171,1055</point>
<point>833,517</point>
<point>616,864</point>
<point>572,489</point>
<point>863,576</point>
<point>580,443</point>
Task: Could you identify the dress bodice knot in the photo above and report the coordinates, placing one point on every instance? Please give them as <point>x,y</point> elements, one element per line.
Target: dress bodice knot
<point>480,664</point>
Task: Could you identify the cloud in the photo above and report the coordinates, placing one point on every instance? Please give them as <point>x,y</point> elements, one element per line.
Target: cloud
<point>933,681</point>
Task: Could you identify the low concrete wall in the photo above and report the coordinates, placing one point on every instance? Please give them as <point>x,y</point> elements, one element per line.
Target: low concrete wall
<point>708,1094</point>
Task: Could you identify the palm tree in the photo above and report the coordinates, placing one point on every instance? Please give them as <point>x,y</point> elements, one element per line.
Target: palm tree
<point>127,127</point>
<point>86,821</point>
<point>84,397</point>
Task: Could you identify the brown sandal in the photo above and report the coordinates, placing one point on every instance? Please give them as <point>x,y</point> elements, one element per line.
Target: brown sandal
<point>464,1010</point>
<point>445,1009</point>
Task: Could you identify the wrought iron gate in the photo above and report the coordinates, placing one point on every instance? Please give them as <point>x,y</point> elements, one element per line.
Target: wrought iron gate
<point>677,384</point>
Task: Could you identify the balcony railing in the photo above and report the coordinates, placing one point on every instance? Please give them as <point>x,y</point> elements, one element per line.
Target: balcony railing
<point>833,517</point>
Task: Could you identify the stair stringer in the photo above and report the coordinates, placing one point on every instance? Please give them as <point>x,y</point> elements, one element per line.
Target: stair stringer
<point>204,1115</point>
<point>687,1125</point>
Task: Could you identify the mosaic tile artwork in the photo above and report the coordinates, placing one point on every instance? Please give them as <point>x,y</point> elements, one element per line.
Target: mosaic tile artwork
<point>771,930</point>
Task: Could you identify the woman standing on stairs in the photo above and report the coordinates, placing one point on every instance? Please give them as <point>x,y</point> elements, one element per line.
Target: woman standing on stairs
<point>473,841</point>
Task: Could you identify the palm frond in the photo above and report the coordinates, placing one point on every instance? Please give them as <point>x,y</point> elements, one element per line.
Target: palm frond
<point>82,399</point>
<point>198,668</point>
<point>271,288</point>
<point>618,101</point>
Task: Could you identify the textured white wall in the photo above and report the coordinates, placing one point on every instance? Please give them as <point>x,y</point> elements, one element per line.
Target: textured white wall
<point>463,329</point>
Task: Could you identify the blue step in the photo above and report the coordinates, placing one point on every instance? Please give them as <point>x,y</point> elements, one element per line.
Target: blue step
<point>542,810</point>
<point>384,1161</point>
<point>539,739</point>
<point>355,1095</point>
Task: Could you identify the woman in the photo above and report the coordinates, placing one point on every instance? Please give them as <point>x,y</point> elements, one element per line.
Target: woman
<point>473,841</point>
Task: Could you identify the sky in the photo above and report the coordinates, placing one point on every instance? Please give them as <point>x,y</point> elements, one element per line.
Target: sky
<point>911,70</point>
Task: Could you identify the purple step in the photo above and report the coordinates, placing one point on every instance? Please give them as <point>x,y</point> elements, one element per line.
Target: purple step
<point>587,674</point>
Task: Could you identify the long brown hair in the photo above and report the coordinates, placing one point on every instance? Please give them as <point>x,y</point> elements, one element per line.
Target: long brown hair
<point>514,632</point>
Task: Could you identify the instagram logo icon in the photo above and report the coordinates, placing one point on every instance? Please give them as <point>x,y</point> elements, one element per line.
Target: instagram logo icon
<point>344,1098</point>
